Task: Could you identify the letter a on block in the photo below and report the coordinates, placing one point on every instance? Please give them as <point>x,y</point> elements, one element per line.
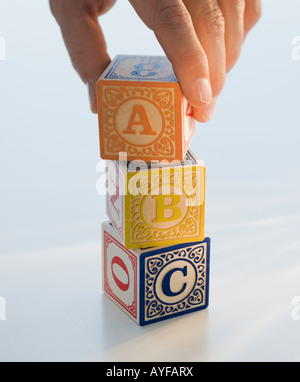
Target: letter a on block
<point>139,111</point>
<point>162,207</point>
<point>142,111</point>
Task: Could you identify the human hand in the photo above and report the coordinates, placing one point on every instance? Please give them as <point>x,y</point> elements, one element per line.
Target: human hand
<point>202,39</point>
<point>78,20</point>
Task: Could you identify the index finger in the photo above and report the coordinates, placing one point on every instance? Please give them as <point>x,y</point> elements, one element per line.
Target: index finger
<point>174,29</point>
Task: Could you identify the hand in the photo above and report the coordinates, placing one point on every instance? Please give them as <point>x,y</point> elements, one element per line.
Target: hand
<point>202,39</point>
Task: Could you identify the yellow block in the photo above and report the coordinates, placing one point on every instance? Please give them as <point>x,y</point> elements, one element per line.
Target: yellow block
<point>158,205</point>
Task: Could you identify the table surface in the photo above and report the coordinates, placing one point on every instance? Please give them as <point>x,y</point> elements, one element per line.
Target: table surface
<point>51,215</point>
<point>56,310</point>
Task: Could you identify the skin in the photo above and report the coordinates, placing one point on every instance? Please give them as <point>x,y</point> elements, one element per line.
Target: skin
<point>202,39</point>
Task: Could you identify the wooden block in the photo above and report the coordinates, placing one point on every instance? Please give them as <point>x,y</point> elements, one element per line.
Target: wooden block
<point>155,284</point>
<point>159,205</point>
<point>142,111</point>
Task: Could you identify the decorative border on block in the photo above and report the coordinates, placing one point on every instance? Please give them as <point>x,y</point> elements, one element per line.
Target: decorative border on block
<point>132,309</point>
<point>140,232</point>
<point>157,60</point>
<point>113,95</point>
<point>152,308</point>
<point>121,182</point>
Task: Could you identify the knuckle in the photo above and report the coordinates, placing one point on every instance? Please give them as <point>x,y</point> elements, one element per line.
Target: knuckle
<point>257,14</point>
<point>233,6</point>
<point>104,6</point>
<point>64,10</point>
<point>172,15</point>
<point>253,14</point>
<point>239,5</point>
<point>214,22</point>
<point>78,59</point>
<point>55,7</point>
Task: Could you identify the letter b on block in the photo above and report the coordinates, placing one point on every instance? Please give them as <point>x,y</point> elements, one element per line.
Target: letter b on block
<point>156,284</point>
<point>157,206</point>
<point>162,207</point>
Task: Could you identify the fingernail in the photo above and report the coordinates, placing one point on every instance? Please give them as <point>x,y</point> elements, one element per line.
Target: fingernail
<point>204,90</point>
<point>92,97</point>
<point>208,112</point>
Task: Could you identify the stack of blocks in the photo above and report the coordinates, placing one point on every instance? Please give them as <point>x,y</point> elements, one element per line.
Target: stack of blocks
<point>155,255</point>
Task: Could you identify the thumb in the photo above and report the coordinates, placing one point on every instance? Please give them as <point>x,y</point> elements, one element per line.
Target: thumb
<point>85,42</point>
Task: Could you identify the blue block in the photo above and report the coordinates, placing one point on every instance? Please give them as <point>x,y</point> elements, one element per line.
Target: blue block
<point>126,68</point>
<point>156,284</point>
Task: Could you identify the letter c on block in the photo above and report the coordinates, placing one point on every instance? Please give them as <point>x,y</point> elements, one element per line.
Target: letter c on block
<point>176,281</point>
<point>166,284</point>
<point>121,264</point>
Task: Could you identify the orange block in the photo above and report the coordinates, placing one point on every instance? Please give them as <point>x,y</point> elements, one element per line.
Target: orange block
<point>142,111</point>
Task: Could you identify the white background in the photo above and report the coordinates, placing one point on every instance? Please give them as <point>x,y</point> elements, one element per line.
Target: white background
<point>51,215</point>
